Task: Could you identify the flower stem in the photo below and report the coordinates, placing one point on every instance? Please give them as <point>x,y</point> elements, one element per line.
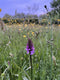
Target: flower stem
<point>51,50</point>
<point>31,66</point>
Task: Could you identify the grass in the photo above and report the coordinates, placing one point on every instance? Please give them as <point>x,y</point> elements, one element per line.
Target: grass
<point>14,62</point>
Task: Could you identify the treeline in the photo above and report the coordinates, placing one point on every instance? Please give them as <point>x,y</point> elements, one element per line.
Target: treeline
<point>52,17</point>
<point>28,21</point>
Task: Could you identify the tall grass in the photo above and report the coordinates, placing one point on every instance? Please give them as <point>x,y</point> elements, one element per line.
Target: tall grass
<point>14,62</point>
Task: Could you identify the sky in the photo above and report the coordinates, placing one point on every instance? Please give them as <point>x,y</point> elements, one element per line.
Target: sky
<point>35,6</point>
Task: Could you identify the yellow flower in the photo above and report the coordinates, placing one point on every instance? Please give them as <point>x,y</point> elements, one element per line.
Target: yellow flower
<point>24,36</point>
<point>48,22</point>
<point>15,20</point>
<point>25,25</point>
<point>33,33</point>
<point>0,9</point>
<point>8,20</point>
<point>58,19</point>
<point>59,25</point>
<point>19,29</point>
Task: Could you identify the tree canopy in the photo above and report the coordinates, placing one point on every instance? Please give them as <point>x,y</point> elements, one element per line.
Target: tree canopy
<point>55,4</point>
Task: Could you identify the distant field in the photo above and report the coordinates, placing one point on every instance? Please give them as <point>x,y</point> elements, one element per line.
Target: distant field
<point>14,62</point>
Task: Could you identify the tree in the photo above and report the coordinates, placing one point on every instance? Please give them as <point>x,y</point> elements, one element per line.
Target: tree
<point>43,16</point>
<point>19,16</point>
<point>7,16</point>
<point>55,4</point>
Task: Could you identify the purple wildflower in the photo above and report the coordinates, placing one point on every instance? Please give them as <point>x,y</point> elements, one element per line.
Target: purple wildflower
<point>30,47</point>
<point>8,62</point>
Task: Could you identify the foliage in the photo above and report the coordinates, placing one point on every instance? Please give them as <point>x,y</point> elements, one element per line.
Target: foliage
<point>55,4</point>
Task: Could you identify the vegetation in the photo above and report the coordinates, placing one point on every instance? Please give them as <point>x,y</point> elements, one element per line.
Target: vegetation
<point>40,36</point>
<point>55,4</point>
<point>14,60</point>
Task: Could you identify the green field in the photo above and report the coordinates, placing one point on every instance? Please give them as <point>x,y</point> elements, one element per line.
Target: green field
<point>14,60</point>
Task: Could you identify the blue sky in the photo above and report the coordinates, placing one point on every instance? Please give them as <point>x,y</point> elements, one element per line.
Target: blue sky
<point>9,6</point>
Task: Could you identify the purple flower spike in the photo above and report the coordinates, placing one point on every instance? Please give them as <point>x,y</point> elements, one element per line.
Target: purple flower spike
<point>30,47</point>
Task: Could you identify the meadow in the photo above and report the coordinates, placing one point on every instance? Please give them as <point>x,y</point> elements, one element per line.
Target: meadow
<point>14,60</point>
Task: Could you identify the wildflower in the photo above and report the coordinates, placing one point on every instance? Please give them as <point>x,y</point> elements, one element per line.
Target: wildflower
<point>30,47</point>
<point>19,29</point>
<point>59,25</point>
<point>58,19</point>
<point>48,22</point>
<point>8,62</point>
<point>0,9</point>
<point>45,7</point>
<point>30,50</point>
<point>11,55</point>
<point>24,36</point>
<point>33,33</point>
<point>25,25</point>
<point>8,43</point>
<point>54,59</point>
